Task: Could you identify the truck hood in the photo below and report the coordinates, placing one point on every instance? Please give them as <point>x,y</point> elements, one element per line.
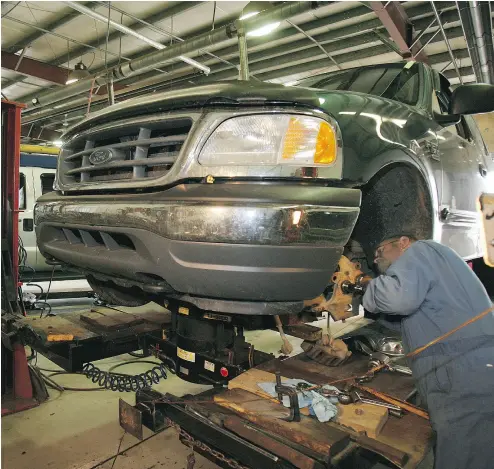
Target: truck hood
<point>219,93</point>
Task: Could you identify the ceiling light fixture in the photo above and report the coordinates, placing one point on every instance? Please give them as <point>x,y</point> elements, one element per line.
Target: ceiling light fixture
<point>253,9</point>
<point>80,71</point>
<point>263,30</point>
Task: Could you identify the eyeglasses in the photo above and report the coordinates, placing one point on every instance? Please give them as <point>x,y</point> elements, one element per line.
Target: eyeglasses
<point>380,250</point>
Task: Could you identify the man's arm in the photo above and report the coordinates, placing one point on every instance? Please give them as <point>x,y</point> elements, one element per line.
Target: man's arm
<point>404,286</point>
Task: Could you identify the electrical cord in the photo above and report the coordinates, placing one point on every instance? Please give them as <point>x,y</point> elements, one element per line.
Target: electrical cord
<point>45,302</point>
<point>108,380</point>
<point>40,304</point>
<point>122,382</point>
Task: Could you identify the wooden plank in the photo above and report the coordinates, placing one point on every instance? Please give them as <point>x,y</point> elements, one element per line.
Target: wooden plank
<point>110,320</point>
<point>51,327</point>
<point>150,312</point>
<point>159,318</point>
<point>267,414</point>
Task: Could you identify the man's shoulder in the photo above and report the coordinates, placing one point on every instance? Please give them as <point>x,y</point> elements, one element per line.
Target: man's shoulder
<point>428,245</point>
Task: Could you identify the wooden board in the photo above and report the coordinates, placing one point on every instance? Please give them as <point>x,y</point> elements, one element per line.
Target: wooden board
<point>362,418</point>
<point>151,313</point>
<point>359,417</point>
<point>158,318</point>
<point>109,319</point>
<point>57,327</point>
<point>267,414</point>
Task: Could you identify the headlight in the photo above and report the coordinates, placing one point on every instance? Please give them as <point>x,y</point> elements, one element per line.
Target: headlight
<point>270,140</point>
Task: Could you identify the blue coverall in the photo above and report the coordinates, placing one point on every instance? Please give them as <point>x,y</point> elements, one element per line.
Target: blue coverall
<point>433,291</point>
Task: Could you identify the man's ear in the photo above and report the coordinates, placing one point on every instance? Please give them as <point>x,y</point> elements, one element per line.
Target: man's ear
<point>404,242</point>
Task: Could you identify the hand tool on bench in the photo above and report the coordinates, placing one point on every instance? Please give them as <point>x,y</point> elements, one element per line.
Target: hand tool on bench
<point>391,400</point>
<point>354,397</point>
<point>292,394</point>
<point>378,358</point>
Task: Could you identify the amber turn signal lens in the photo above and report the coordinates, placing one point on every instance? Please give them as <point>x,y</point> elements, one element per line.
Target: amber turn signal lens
<point>309,141</point>
<point>325,145</point>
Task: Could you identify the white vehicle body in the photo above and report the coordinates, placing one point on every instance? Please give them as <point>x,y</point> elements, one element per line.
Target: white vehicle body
<point>37,172</point>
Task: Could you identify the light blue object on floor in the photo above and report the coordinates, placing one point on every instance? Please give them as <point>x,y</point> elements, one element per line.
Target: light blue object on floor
<point>322,407</point>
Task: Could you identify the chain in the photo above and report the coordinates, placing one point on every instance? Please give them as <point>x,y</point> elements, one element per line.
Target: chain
<point>190,441</point>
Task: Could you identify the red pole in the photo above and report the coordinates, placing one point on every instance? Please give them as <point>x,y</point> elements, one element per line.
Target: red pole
<point>11,114</point>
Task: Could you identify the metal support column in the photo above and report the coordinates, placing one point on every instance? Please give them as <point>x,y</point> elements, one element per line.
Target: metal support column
<point>243,55</point>
<point>111,90</point>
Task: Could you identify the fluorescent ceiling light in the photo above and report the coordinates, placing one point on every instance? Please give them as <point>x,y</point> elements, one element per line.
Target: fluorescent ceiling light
<point>248,15</point>
<point>262,31</point>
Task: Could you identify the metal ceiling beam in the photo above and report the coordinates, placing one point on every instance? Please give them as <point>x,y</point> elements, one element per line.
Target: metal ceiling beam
<point>130,32</point>
<point>399,27</point>
<point>162,31</point>
<point>178,8</point>
<point>95,44</point>
<point>43,71</point>
<point>445,37</point>
<point>7,7</point>
<point>68,15</point>
<point>35,68</point>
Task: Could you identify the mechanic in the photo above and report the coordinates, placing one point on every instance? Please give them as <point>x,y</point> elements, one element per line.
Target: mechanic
<point>431,290</point>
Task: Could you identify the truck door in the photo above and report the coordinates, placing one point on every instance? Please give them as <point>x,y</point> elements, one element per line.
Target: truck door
<point>460,184</point>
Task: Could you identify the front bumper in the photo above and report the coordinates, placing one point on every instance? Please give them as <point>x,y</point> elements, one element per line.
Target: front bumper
<point>252,242</point>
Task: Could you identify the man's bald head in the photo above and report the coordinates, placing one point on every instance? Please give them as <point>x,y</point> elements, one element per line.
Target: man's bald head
<point>391,249</point>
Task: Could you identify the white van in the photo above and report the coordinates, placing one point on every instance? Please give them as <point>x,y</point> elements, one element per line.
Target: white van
<point>36,174</point>
<point>36,177</point>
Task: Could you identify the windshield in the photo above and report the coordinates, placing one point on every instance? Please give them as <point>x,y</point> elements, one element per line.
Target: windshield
<point>393,81</point>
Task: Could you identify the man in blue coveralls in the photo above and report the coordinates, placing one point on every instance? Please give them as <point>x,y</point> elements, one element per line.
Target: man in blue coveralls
<point>431,290</point>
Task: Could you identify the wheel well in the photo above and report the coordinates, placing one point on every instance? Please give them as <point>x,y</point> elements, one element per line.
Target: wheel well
<point>396,200</point>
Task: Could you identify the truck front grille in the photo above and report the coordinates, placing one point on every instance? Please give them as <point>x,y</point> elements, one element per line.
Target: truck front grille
<point>123,151</point>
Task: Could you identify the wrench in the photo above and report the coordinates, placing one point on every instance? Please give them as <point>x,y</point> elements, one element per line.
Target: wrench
<point>365,400</point>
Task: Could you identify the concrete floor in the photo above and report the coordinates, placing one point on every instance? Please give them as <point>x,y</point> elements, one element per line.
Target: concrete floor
<point>80,430</point>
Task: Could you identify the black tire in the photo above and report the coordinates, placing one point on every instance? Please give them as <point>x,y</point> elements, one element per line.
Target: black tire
<point>115,295</point>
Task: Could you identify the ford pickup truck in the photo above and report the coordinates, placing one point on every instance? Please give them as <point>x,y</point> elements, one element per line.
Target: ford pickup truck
<point>249,193</point>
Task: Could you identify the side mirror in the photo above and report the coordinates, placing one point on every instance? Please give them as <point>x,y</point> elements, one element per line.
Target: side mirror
<point>472,99</point>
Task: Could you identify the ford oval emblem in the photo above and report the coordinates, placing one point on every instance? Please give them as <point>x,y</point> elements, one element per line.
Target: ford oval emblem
<point>101,156</point>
